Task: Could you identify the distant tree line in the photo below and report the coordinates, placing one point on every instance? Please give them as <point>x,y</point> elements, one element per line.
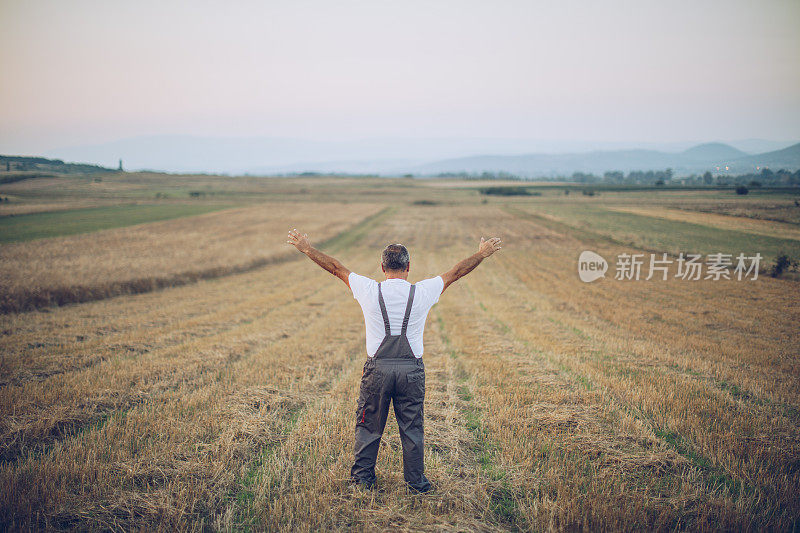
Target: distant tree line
<point>634,177</point>
<point>481,176</point>
<point>516,190</point>
<point>657,178</point>
<point>765,178</point>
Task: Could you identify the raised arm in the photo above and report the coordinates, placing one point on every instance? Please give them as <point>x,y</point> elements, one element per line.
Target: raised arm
<point>327,262</point>
<point>464,267</point>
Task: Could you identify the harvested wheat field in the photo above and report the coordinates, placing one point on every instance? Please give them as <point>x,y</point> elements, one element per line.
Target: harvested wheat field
<point>225,399</point>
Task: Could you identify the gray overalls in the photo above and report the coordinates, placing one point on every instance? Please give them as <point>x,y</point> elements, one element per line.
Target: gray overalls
<point>393,374</point>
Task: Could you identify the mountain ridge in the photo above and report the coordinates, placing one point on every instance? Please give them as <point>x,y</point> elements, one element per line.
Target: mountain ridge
<point>698,159</point>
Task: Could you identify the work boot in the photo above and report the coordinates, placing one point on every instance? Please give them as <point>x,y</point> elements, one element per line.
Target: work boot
<point>360,484</point>
<point>427,489</point>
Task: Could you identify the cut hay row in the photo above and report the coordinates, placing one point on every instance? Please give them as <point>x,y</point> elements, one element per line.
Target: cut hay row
<point>69,339</point>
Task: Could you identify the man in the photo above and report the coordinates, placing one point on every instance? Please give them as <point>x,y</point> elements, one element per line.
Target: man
<point>394,315</point>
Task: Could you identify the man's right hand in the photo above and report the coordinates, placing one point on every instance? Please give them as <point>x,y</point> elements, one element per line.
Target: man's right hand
<point>487,248</point>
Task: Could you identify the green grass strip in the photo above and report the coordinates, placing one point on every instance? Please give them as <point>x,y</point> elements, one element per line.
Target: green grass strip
<point>19,228</point>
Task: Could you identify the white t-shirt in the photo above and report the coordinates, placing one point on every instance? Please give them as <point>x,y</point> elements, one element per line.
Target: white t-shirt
<point>395,296</point>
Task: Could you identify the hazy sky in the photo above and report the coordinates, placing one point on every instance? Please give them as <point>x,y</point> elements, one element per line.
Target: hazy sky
<point>74,72</point>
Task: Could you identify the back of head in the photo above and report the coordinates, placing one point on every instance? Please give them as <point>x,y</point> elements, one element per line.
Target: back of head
<point>395,258</point>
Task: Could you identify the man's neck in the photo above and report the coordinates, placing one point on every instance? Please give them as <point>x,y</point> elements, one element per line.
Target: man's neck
<point>403,276</point>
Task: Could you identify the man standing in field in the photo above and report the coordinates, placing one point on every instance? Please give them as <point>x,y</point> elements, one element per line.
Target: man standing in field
<point>394,315</point>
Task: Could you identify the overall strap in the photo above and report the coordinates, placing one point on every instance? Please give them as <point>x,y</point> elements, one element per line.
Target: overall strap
<point>408,309</point>
<point>383,311</point>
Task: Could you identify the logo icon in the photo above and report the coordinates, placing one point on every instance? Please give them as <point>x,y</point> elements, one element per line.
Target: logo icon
<point>591,266</point>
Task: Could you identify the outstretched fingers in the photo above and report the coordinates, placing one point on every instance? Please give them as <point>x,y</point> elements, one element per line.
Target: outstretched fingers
<point>294,236</point>
<point>490,246</point>
<point>298,240</point>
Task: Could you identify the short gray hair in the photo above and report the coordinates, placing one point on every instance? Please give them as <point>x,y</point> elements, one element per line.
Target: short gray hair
<point>395,257</point>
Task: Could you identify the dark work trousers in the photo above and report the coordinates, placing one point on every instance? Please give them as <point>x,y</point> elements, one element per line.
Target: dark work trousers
<point>394,375</point>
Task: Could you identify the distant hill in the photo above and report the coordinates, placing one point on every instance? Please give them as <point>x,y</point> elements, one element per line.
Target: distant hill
<point>759,146</point>
<point>552,164</point>
<point>788,158</point>
<point>20,164</point>
<point>713,152</point>
<point>698,159</point>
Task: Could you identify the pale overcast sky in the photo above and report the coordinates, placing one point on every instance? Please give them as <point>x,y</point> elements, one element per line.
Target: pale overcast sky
<point>82,71</point>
